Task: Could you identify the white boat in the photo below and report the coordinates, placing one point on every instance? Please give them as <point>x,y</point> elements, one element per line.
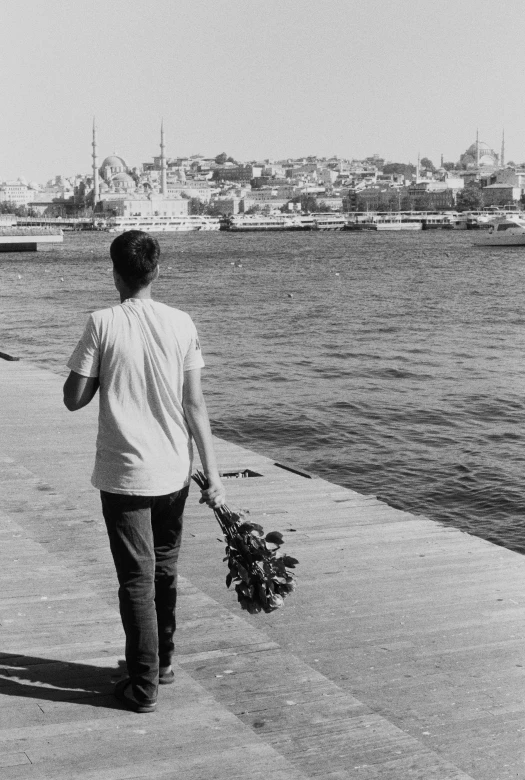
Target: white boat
<point>205,222</point>
<point>391,221</point>
<point>459,222</point>
<point>442,220</point>
<point>162,224</point>
<point>253,222</point>
<point>329,222</point>
<point>504,231</point>
<point>485,217</point>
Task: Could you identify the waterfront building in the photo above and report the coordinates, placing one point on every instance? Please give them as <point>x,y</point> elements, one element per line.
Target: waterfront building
<point>332,202</point>
<point>119,190</point>
<point>375,199</point>
<point>227,206</point>
<point>511,176</point>
<point>152,205</point>
<point>192,188</point>
<point>501,195</point>
<point>19,192</point>
<point>503,187</point>
<point>268,204</point>
<point>424,198</point>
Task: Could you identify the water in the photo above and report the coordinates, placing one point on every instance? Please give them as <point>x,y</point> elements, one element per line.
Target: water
<point>390,364</point>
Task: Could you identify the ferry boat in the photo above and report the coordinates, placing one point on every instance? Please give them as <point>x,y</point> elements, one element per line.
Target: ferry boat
<point>441,221</point>
<point>328,222</point>
<point>459,222</point>
<point>162,224</point>
<point>253,222</point>
<point>205,222</point>
<point>387,221</point>
<point>504,231</point>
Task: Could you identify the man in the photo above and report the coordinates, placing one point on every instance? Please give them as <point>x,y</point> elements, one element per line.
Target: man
<point>145,359</point>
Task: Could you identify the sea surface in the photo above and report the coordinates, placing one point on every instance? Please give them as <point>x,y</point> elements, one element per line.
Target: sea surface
<point>391,364</point>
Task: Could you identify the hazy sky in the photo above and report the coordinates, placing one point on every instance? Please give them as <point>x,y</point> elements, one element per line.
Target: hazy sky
<point>257,79</point>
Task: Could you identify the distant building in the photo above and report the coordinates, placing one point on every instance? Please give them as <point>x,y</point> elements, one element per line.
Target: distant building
<point>191,189</point>
<point>228,206</point>
<point>154,205</point>
<point>18,192</point>
<point>332,203</point>
<point>514,177</point>
<point>236,173</point>
<point>271,202</point>
<point>501,195</point>
<point>375,199</point>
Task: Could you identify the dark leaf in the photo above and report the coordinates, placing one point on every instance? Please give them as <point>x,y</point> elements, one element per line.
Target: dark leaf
<point>274,537</point>
<point>243,573</point>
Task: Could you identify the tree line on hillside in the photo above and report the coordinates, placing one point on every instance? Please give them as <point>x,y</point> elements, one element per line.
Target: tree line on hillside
<point>8,207</point>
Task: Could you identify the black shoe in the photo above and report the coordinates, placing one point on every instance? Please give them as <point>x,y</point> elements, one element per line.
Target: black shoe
<point>166,678</point>
<point>120,693</point>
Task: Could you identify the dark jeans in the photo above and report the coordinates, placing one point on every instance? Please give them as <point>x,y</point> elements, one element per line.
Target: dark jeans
<point>145,535</point>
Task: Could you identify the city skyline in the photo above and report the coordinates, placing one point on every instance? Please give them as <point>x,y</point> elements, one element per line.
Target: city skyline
<point>280,81</point>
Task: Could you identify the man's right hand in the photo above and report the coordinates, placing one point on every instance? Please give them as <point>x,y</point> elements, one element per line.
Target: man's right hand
<point>215,494</point>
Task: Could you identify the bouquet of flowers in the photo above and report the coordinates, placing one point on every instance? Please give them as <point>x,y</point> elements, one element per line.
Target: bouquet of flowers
<point>261,573</point>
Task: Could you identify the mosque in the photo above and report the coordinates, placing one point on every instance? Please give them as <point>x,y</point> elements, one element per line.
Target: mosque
<point>121,191</point>
<point>480,155</point>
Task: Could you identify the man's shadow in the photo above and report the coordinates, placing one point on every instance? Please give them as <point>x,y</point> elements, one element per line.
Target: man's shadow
<point>59,681</point>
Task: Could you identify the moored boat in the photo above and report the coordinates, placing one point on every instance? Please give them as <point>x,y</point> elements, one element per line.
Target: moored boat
<point>329,222</point>
<point>255,222</point>
<point>162,224</point>
<point>503,231</point>
<point>440,221</point>
<point>389,221</point>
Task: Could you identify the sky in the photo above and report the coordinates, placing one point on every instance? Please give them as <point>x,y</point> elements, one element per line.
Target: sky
<point>257,79</point>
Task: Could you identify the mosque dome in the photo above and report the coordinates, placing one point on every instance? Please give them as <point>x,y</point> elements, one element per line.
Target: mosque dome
<point>123,178</point>
<point>111,166</point>
<point>114,161</point>
<point>122,181</point>
<point>479,154</point>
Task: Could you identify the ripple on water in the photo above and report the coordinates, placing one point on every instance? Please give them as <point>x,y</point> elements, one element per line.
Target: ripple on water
<point>401,378</point>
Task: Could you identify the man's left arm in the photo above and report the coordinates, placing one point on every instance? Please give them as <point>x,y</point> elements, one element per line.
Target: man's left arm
<point>79,390</point>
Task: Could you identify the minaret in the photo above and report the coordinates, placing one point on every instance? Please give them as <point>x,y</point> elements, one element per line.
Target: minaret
<point>163,183</point>
<point>417,167</point>
<point>96,187</point>
<point>502,160</point>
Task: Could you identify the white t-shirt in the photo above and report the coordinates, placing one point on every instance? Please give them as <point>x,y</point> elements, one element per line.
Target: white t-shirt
<point>140,350</point>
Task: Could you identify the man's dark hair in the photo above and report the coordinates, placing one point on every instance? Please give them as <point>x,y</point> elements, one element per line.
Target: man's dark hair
<point>135,256</point>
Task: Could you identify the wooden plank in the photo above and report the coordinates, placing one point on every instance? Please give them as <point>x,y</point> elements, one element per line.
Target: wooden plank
<point>394,659</point>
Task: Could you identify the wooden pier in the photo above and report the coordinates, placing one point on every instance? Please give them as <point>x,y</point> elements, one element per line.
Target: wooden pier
<point>400,656</point>
<point>15,239</point>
